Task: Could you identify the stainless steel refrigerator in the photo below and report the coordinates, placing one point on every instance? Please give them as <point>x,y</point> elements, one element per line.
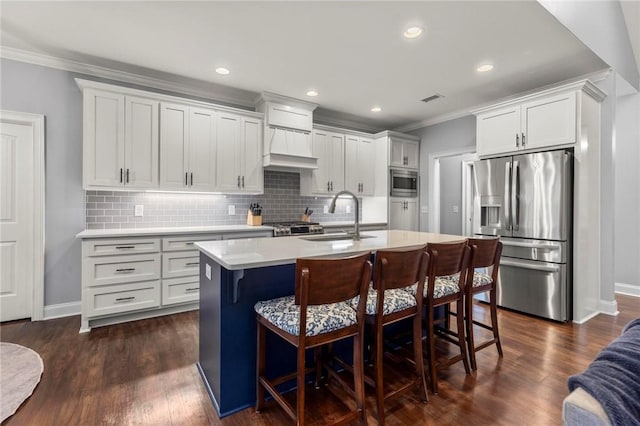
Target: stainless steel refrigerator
<point>527,200</point>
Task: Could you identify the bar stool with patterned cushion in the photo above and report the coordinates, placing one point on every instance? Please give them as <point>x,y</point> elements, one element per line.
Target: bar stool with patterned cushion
<point>445,285</point>
<point>318,314</point>
<point>485,253</point>
<point>387,303</point>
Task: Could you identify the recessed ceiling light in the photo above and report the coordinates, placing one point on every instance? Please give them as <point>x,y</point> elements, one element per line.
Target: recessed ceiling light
<point>222,70</point>
<point>312,93</point>
<point>484,68</point>
<point>376,109</point>
<point>412,32</point>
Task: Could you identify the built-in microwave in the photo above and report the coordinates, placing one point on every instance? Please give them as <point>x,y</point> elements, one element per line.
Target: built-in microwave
<point>403,183</point>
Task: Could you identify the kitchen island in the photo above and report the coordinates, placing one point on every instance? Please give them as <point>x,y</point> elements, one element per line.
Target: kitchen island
<point>235,274</point>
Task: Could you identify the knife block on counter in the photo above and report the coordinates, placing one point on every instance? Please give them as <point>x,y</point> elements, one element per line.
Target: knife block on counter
<point>253,220</point>
<point>305,218</point>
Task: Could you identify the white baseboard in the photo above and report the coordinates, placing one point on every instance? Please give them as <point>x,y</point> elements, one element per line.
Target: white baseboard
<point>608,307</point>
<point>628,289</point>
<point>62,310</point>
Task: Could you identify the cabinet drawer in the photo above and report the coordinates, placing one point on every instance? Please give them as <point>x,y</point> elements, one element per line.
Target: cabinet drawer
<point>180,290</point>
<point>116,299</point>
<point>103,247</point>
<point>249,234</point>
<point>185,242</point>
<point>180,264</point>
<point>121,269</point>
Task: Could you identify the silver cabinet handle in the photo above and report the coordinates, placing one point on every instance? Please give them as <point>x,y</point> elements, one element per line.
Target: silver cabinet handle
<point>191,290</point>
<point>192,264</point>
<point>125,270</point>
<point>523,139</point>
<point>127,175</point>
<point>238,181</point>
<point>328,186</point>
<point>190,243</point>
<point>121,175</point>
<point>191,178</point>
<point>186,178</point>
<point>125,247</point>
<point>125,299</point>
<point>517,140</point>
<point>332,185</point>
<point>242,181</point>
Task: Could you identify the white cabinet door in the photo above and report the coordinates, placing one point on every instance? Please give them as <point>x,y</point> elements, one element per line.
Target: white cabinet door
<point>498,131</point>
<point>228,133</point>
<point>252,178</point>
<point>336,162</point>
<point>549,121</point>
<point>404,153</point>
<point>359,165</point>
<point>174,135</point>
<point>202,150</point>
<point>403,214</point>
<point>141,143</point>
<point>103,141</point>
<point>328,178</point>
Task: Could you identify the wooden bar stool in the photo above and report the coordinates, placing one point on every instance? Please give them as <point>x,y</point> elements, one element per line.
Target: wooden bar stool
<point>445,284</point>
<point>485,253</point>
<point>387,303</point>
<point>318,314</point>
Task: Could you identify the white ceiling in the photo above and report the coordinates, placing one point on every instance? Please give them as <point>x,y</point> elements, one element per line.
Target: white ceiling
<point>353,53</point>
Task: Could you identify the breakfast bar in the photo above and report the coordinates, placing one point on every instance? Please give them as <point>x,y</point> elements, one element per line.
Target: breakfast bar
<point>235,274</point>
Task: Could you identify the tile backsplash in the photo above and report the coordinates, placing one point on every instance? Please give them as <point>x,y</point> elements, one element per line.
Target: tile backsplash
<point>281,201</point>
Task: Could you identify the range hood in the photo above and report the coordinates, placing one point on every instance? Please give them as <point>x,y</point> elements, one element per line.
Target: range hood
<point>288,123</point>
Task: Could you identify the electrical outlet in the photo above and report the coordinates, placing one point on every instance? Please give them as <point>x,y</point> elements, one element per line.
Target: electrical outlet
<point>138,210</point>
<point>424,209</point>
<point>326,209</point>
<point>455,209</point>
<point>232,209</point>
<point>348,208</point>
<point>207,271</point>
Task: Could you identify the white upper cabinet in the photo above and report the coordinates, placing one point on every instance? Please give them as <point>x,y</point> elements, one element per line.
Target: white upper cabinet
<point>187,148</point>
<point>543,120</point>
<point>328,178</point>
<point>403,153</point>
<point>360,165</point>
<point>120,144</point>
<point>239,154</point>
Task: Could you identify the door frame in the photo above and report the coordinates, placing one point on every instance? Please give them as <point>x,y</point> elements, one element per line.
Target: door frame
<point>434,184</point>
<point>37,123</point>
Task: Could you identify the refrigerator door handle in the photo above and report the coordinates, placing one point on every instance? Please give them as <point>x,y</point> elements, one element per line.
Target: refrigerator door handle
<point>550,246</point>
<point>515,196</point>
<point>507,195</point>
<point>529,265</point>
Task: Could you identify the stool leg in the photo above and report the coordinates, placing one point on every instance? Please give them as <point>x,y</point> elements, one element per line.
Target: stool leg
<point>432,350</point>
<point>461,337</point>
<point>379,372</point>
<point>494,319</point>
<point>318,358</point>
<point>469,328</point>
<point>417,354</point>
<point>261,361</point>
<point>358,374</point>
<point>301,385</point>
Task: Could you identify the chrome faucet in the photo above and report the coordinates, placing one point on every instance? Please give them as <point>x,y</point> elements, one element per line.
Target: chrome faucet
<point>332,209</point>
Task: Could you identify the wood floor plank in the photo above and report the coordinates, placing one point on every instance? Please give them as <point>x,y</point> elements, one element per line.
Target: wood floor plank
<point>143,373</point>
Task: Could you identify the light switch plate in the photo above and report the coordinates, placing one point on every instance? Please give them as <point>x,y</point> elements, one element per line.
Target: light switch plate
<point>455,209</point>
<point>326,209</point>
<point>207,271</point>
<point>138,210</point>
<point>424,209</point>
<point>232,209</point>
<point>348,209</point>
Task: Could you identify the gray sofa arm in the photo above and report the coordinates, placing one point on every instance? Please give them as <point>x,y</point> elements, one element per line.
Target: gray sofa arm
<point>581,409</point>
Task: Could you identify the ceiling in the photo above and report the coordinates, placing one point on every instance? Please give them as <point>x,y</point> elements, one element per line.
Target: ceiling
<point>352,53</point>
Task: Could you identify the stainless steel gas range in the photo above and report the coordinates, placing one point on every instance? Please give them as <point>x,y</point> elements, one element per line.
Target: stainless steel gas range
<point>285,229</point>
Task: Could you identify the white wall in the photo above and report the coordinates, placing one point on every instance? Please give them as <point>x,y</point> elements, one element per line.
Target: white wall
<point>627,195</point>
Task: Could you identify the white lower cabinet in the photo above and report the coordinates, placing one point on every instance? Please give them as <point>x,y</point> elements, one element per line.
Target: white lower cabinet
<point>403,214</point>
<point>130,278</point>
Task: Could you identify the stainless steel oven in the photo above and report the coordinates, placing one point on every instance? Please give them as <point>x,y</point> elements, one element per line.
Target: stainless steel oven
<point>403,183</point>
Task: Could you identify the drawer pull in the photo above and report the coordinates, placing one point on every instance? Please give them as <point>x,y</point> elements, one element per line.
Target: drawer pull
<point>190,290</point>
<point>125,247</point>
<point>125,270</point>
<point>125,299</point>
<point>192,264</point>
<point>189,244</point>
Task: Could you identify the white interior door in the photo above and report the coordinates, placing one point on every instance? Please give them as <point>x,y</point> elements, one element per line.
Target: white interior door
<point>16,220</point>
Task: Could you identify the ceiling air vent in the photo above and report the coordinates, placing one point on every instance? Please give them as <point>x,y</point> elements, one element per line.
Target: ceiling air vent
<point>432,97</point>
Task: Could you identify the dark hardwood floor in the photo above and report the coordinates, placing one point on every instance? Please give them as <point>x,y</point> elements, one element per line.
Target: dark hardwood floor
<point>144,373</point>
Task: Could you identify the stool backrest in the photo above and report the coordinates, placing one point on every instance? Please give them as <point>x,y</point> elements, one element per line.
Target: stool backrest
<point>322,281</point>
<point>448,259</point>
<point>485,252</point>
<point>400,268</point>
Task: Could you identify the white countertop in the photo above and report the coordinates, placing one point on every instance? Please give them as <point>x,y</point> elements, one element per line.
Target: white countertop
<point>261,252</point>
<point>142,232</point>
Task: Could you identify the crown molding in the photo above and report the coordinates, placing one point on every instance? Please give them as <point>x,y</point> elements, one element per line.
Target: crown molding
<point>431,121</point>
<point>198,88</point>
<point>345,121</point>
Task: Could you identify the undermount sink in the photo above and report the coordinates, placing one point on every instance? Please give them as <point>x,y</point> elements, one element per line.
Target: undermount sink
<point>335,237</point>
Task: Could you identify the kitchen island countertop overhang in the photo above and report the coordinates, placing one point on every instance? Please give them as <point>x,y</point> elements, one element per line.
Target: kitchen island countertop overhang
<point>234,275</point>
